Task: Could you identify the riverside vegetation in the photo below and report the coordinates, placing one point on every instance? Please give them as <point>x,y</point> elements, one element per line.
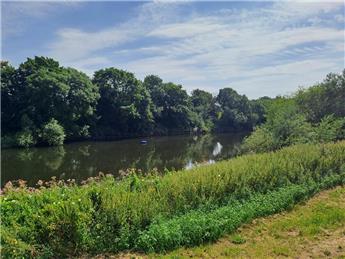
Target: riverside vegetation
<point>295,150</point>
<point>44,103</point>
<point>312,229</point>
<point>155,213</point>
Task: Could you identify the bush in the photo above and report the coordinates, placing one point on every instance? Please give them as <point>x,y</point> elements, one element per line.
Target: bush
<point>112,216</point>
<point>261,140</point>
<point>330,129</point>
<point>25,139</point>
<point>53,133</point>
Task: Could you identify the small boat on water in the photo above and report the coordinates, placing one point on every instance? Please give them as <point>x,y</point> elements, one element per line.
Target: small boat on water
<point>143,142</point>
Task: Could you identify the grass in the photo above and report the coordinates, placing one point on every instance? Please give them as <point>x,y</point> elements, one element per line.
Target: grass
<point>113,216</point>
<point>198,227</point>
<point>312,230</point>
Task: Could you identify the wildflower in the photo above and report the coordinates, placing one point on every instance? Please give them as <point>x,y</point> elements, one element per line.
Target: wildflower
<point>8,186</point>
<point>21,183</point>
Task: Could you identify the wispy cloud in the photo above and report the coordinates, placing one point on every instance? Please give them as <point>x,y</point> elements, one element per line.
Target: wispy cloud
<point>75,44</point>
<point>16,14</point>
<point>268,50</point>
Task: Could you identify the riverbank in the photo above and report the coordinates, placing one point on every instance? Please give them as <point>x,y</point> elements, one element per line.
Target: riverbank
<point>315,229</point>
<point>154,213</point>
<point>312,230</point>
<point>8,141</point>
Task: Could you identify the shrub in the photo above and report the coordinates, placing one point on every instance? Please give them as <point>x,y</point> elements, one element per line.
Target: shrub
<point>330,129</point>
<point>261,140</point>
<point>25,139</point>
<point>53,133</point>
<point>284,126</point>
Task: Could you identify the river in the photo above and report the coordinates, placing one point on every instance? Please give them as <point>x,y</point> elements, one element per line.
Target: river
<point>80,160</point>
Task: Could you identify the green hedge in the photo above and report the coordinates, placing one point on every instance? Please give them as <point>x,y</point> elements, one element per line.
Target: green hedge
<point>110,215</point>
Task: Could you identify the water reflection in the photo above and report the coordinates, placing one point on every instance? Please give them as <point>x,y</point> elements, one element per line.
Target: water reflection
<point>217,149</point>
<point>84,159</point>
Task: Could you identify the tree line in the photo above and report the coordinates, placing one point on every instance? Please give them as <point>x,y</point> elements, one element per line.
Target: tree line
<point>44,103</point>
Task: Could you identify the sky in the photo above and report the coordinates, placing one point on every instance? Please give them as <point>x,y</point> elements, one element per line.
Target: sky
<point>257,48</point>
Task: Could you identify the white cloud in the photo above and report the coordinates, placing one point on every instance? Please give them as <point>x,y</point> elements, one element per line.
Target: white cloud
<point>14,14</point>
<point>74,44</point>
<point>192,28</point>
<point>257,51</point>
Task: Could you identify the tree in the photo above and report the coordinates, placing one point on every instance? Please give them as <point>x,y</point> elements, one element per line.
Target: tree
<point>61,93</point>
<point>173,109</point>
<point>326,98</point>
<point>39,90</point>
<point>154,86</point>
<point>11,99</point>
<point>152,83</point>
<point>236,112</point>
<point>125,105</point>
<point>203,105</point>
<point>176,113</point>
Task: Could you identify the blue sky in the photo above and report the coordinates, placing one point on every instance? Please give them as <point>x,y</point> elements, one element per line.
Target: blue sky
<point>257,48</point>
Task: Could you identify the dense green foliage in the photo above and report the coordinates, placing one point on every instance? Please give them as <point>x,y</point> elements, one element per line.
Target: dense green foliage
<point>53,133</point>
<point>40,90</point>
<point>113,104</point>
<point>236,112</point>
<point>312,115</point>
<point>125,106</point>
<point>324,98</point>
<point>110,215</point>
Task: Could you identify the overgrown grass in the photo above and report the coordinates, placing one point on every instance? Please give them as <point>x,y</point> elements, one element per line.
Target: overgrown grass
<point>289,234</point>
<point>115,215</point>
<point>197,227</point>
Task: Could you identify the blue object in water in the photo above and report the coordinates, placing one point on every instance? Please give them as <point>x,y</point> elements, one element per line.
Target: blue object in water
<point>143,142</point>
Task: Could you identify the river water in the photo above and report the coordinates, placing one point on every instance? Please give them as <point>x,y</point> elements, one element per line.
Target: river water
<point>80,160</point>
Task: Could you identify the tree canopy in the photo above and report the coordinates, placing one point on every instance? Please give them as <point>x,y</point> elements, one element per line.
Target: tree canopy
<point>40,90</point>
<point>46,103</point>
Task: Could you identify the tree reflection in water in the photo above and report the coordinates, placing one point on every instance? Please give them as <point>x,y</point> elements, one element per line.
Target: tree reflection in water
<point>81,160</point>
